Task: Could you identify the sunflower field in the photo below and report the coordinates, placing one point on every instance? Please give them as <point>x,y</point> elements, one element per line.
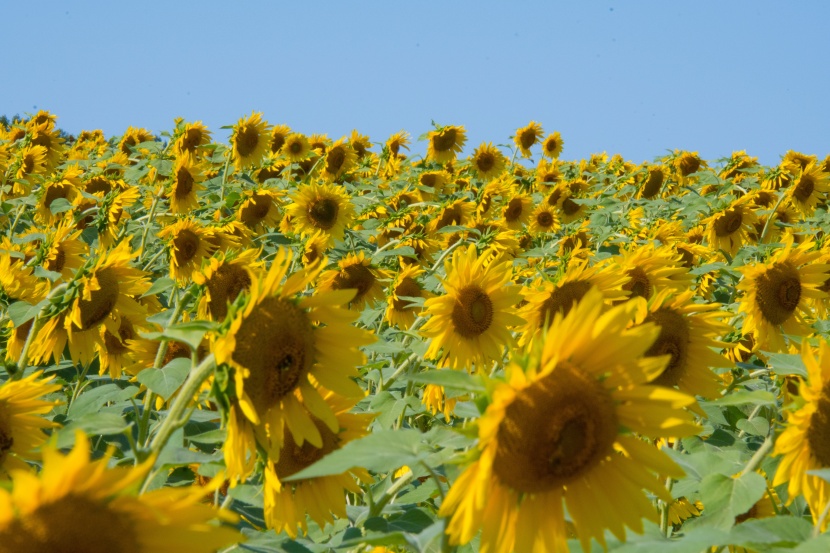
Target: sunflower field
<point>288,343</point>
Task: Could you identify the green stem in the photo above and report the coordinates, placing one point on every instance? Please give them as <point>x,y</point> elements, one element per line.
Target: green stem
<point>770,219</point>
<point>23,360</point>
<point>388,495</point>
<point>149,223</point>
<point>756,459</point>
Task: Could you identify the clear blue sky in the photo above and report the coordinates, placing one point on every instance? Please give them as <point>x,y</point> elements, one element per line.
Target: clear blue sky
<point>635,77</point>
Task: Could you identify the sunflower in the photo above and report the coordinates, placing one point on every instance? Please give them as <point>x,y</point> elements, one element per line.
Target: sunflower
<point>324,208</point>
<point>776,295</point>
<point>260,210</point>
<point>544,299</point>
<point>249,140</point>
<point>396,142</point>
<point>132,137</point>
<point>432,183</point>
<point>687,163</point>
<point>527,137</point>
<point>810,188</point>
<point>47,136</point>
<point>339,158</point>
<point>31,161</point>
<point>445,143</point>
<point>17,283</point>
<point>64,185</point>
<point>21,426</point>
<point>401,312</point>
<point>113,212</point>
<point>552,145</point>
<point>277,344</point>
<point>543,219</point>
<point>225,277</point>
<point>185,184</point>
<point>688,333</point>
<point>516,210</point>
<point>653,268</point>
<point>288,503</point>
<point>360,143</point>
<point>80,505</point>
<point>487,161</point>
<point>653,179</point>
<point>805,443</point>
<point>189,245</point>
<point>355,273</point>
<point>435,400</point>
<point>65,252</point>
<point>730,228</point>
<point>738,166</point>
<point>278,135</point>
<point>547,174</point>
<point>296,147</point>
<point>315,248</point>
<point>470,322</point>
<point>190,138</point>
<point>452,213</point>
<point>559,432</point>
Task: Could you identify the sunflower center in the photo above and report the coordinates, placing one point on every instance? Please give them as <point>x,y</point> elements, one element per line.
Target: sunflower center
<point>295,147</point>
<point>653,183</point>
<point>184,183</point>
<point>275,343</point>
<point>639,285</point>
<point>57,262</point>
<point>224,286</point>
<point>561,300</point>
<point>323,213</point>
<point>544,219</point>
<point>335,159</point>
<point>689,164</point>
<point>673,340</point>
<point>246,141</point>
<point>294,458</point>
<point>28,164</point>
<point>277,142</point>
<point>191,139</point>
<point>551,145</point>
<point>570,207</point>
<point>55,192</point>
<point>71,524</point>
<point>514,210</point>
<point>444,140</point>
<point>102,301</point>
<point>176,350</point>
<point>554,431</point>
<point>6,438</point>
<point>406,287</point>
<point>729,222</point>
<point>554,197</point>
<point>527,138</point>
<point>116,345</point>
<point>185,245</point>
<point>472,313</point>
<point>804,188</point>
<point>485,161</point>
<point>818,434</point>
<point>256,209</point>
<point>778,292</point>
<point>98,184</point>
<point>357,276</point>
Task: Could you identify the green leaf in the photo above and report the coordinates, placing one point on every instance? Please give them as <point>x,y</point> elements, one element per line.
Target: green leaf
<point>59,205</point>
<point>726,497</point>
<point>780,530</point>
<point>40,272</point>
<point>457,380</point>
<point>403,251</point>
<point>757,426</point>
<point>91,400</point>
<point>190,333</point>
<point>162,284</point>
<point>381,451</point>
<point>787,363</point>
<point>747,397</point>
<point>166,380</point>
<point>21,312</point>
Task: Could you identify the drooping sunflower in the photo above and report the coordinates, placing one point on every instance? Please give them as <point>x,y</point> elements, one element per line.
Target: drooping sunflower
<point>487,161</point>
<point>315,248</point>
<point>249,140</point>
<point>21,423</point>
<point>189,245</point>
<point>190,138</point>
<point>260,210</point>
<point>185,184</point>
<point>278,344</point>
<point>360,143</point>
<point>225,276</point>
<point>324,208</point>
<point>46,135</point>
<point>355,272</point>
<point>31,161</point>
<point>559,433</point>
<point>469,325</point>
<point>652,181</point>
<point>399,311</point>
<point>445,143</point>
<point>340,157</point>
<point>527,137</point>
<point>17,283</point>
<point>65,185</point>
<point>296,147</point>
<point>552,145</point>
<point>805,443</point>
<point>76,504</point>
<point>731,228</point>
<point>776,295</point>
<point>288,503</point>
<point>397,142</point>
<point>687,163</point>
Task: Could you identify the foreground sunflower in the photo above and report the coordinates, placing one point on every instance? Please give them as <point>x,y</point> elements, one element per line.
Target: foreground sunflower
<point>81,505</point>
<point>559,434</point>
<point>279,344</point>
<point>469,324</point>
<point>21,423</point>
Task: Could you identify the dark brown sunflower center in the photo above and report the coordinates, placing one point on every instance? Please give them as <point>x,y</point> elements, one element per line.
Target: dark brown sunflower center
<point>551,145</point>
<point>277,142</point>
<point>472,313</point>
<point>818,433</point>
<point>71,524</point>
<point>673,340</point>
<point>177,350</point>
<point>485,161</point>
<point>444,140</point>
<point>335,159</point>
<point>514,210</point>
<point>185,245</point>
<point>28,163</point>
<point>544,219</point>
<point>224,286</point>
<point>6,438</point>
<point>689,164</point>
<point>778,292</point>
<point>639,285</point>
<point>57,262</point>
<point>294,458</point>
<point>191,139</point>
<point>653,183</point>
<point>295,147</point>
<point>430,180</point>
<point>554,430</point>
<point>687,258</point>
<point>804,188</point>
<point>275,343</point>
<point>569,207</point>
<point>98,184</point>
<point>102,301</point>
<point>406,287</point>
<point>357,276</point>
<point>184,183</point>
<point>117,345</point>
<point>527,138</point>
<point>729,222</point>
<point>55,192</point>
<point>561,300</point>
<point>256,209</point>
<point>323,213</point>
<point>555,196</point>
<point>246,141</point>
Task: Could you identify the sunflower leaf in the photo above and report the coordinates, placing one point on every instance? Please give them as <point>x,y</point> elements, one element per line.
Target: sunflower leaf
<point>780,530</point>
<point>162,284</point>
<point>59,205</point>
<point>166,380</point>
<point>726,497</point>
<point>21,312</point>
<point>457,380</point>
<point>787,363</point>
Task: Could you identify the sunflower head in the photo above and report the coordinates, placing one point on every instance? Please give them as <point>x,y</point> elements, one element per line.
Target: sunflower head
<point>527,137</point>
<point>487,161</point>
<point>249,140</point>
<point>445,143</point>
<point>552,145</point>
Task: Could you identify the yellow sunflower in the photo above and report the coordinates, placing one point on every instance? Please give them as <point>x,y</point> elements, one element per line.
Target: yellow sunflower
<point>731,228</point>
<point>278,135</point>
<point>399,311</point>
<point>31,161</point>
<point>17,283</point>
<point>397,142</point>
<point>21,423</point>
<point>315,248</point>
<point>527,137</point>
<point>64,185</point>
<point>288,503</point>
<point>323,208</point>
<point>445,143</point>
<point>469,325</point>
<point>805,443</point>
<point>339,158</point>
<point>516,210</point>
<point>188,176</point>
<point>47,136</point>
<point>558,434</point>
<point>653,178</point>
<point>776,295</point>
<point>76,504</point>
<point>189,245</point>
<point>190,138</point>
<point>278,343</point>
<point>552,145</point>
<point>360,143</point>
<point>687,163</point>
<point>543,219</point>
<point>225,277</point>
<point>810,188</point>
<point>653,268</point>
<point>296,148</point>
<point>488,162</point>
<point>249,140</point>
<point>65,252</point>
<point>132,137</point>
<point>356,273</point>
<point>260,210</point>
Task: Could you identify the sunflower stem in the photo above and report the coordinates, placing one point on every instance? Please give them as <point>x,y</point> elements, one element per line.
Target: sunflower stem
<point>388,495</point>
<point>759,456</point>
<point>820,521</point>
<point>752,415</point>
<point>770,219</point>
<point>149,223</point>
<point>401,369</point>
